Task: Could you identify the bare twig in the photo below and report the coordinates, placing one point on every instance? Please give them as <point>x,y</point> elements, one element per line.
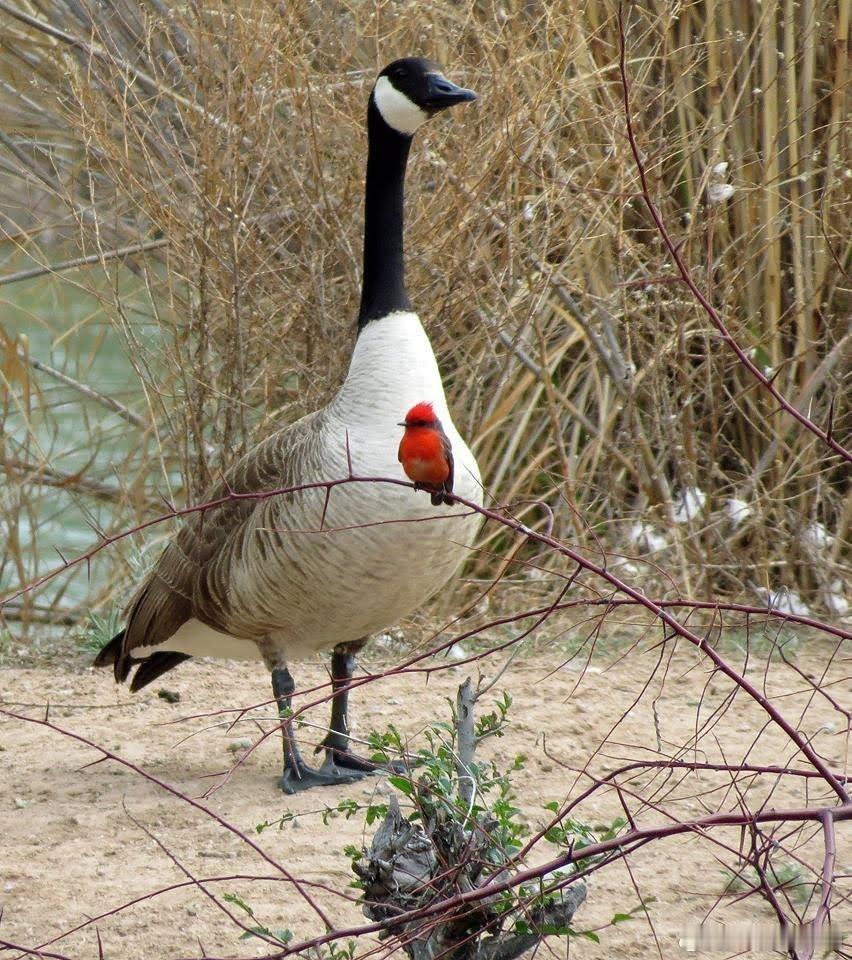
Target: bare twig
<point>89,392</point>
<point>465,702</point>
<point>94,258</point>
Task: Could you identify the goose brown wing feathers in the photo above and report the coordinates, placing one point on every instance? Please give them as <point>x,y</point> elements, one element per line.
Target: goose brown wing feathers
<point>175,589</point>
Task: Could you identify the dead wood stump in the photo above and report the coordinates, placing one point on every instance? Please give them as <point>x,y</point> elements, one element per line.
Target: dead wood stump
<point>412,866</point>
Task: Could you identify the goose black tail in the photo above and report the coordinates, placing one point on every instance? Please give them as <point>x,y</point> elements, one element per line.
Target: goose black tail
<point>155,666</point>
<point>150,668</point>
<point>113,654</point>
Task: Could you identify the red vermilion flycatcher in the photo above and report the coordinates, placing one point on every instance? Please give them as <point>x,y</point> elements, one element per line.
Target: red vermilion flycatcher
<point>426,454</point>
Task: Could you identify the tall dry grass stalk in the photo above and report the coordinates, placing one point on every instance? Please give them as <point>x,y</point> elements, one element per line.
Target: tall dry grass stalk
<point>224,144</point>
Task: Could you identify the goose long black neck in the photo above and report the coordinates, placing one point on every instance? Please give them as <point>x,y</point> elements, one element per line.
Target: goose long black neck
<point>383,284</point>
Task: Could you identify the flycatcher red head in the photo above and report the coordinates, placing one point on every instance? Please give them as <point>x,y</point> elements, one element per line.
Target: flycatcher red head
<point>420,415</point>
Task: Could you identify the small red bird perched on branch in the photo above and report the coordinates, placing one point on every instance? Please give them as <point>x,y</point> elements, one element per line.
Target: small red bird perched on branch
<point>426,454</point>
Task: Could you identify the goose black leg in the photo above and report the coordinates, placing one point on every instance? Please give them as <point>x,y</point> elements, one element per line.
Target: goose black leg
<point>297,775</point>
<point>338,752</point>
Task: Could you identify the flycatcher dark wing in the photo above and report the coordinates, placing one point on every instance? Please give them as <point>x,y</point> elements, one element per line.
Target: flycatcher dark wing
<point>447,485</point>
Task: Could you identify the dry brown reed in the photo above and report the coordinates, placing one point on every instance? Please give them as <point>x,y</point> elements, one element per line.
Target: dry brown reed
<point>224,145</point>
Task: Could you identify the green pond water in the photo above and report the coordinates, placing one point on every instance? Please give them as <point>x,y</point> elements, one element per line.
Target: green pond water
<point>54,424</point>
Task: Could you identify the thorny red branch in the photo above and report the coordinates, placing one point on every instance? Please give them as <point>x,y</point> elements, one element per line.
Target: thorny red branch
<point>168,788</point>
<point>599,570</point>
<point>176,513</point>
<point>822,913</point>
<point>624,845</point>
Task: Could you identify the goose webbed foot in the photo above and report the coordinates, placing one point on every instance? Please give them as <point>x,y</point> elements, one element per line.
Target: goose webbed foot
<point>341,764</point>
<point>298,776</point>
<point>340,756</point>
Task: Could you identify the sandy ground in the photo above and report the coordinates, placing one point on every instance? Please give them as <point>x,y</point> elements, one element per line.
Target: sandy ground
<point>81,840</point>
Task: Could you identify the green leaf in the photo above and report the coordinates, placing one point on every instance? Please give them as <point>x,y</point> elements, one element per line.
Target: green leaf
<point>238,902</point>
<point>348,807</point>
<point>642,906</point>
<point>282,935</point>
<point>403,784</point>
<point>376,811</point>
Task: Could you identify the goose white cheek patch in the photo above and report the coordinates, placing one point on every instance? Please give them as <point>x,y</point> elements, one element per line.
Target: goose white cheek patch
<point>396,109</point>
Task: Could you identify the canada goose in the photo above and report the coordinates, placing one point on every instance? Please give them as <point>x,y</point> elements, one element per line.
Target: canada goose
<point>258,578</point>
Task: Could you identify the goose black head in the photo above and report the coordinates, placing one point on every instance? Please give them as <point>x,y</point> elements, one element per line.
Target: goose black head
<point>410,91</point>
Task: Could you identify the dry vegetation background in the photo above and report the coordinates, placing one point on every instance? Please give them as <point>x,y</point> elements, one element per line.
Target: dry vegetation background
<point>224,145</point>
<point>181,196</point>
